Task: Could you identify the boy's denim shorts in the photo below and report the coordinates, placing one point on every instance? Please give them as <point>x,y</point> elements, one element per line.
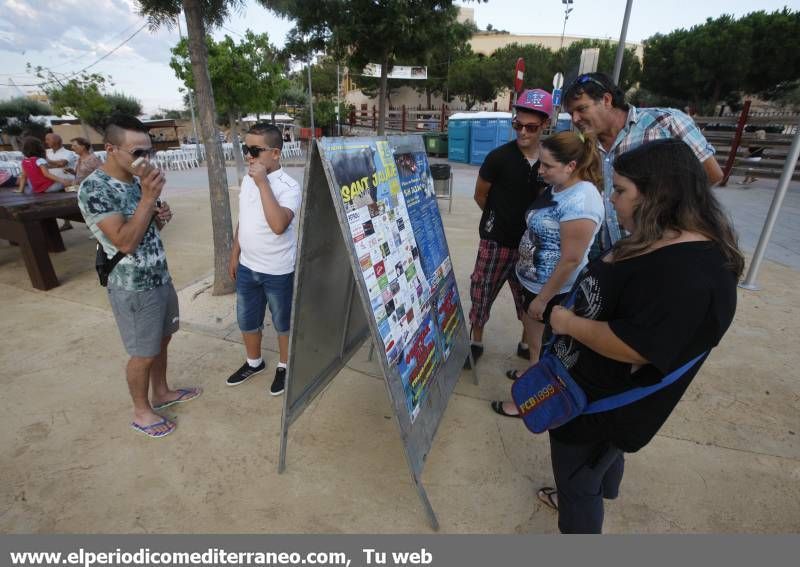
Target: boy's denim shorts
<point>254,291</point>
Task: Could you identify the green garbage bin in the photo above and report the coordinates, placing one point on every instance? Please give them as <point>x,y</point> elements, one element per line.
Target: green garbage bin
<point>435,144</point>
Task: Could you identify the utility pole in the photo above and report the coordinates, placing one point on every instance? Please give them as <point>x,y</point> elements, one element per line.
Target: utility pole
<point>567,9</point>
<point>621,44</point>
<point>311,102</point>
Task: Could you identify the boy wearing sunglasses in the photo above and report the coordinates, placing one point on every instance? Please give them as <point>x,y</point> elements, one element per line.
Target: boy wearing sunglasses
<point>508,183</point>
<point>263,253</point>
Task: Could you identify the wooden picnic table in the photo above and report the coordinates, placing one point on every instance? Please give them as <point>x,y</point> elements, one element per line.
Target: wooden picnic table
<point>30,222</point>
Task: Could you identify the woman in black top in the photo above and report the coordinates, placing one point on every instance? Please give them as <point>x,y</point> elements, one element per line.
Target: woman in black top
<point>657,300</point>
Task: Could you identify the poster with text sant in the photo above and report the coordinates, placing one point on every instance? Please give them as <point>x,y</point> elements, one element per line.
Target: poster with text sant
<point>386,192</point>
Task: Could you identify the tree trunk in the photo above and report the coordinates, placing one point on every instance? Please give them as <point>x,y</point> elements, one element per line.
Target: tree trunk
<point>221,227</point>
<point>382,95</point>
<point>715,97</point>
<point>428,93</point>
<point>233,118</point>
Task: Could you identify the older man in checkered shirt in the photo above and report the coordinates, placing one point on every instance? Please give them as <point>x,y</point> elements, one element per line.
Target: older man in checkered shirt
<point>598,107</point>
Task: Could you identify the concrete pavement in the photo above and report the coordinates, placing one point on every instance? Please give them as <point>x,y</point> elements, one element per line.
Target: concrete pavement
<point>728,459</point>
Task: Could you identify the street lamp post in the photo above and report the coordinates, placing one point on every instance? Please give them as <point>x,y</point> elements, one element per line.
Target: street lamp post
<point>621,44</point>
<point>567,9</point>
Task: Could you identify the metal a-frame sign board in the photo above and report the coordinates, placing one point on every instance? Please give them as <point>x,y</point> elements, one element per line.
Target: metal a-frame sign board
<point>372,262</point>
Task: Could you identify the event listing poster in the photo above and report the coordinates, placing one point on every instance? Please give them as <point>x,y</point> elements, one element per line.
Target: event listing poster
<point>399,241</point>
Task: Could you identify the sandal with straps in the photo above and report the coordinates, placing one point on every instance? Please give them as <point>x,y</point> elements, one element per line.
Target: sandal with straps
<point>548,496</point>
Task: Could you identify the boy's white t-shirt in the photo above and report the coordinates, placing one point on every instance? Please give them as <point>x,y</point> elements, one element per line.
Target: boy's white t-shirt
<point>264,251</point>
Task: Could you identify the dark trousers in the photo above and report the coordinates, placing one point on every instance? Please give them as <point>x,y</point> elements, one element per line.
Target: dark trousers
<point>584,475</point>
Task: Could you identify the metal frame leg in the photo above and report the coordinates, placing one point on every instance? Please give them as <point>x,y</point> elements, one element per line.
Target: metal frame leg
<point>282,455</point>
<point>450,191</point>
<point>423,497</point>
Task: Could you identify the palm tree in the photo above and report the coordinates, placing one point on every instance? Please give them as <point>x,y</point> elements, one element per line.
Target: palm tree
<point>200,15</point>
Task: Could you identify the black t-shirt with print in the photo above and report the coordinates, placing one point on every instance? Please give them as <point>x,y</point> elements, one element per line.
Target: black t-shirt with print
<point>670,306</point>
<point>515,185</point>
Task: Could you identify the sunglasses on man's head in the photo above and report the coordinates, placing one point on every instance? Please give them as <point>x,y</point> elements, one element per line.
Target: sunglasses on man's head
<point>254,151</point>
<point>583,79</point>
<point>530,127</point>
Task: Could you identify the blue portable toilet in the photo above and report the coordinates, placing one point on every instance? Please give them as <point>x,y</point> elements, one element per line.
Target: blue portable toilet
<point>564,122</point>
<point>489,130</point>
<point>458,137</point>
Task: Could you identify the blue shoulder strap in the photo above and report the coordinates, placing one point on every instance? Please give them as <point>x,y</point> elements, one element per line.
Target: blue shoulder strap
<point>629,396</point>
<point>636,394</point>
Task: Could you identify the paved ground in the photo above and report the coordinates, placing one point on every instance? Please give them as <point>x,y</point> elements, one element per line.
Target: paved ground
<point>728,460</point>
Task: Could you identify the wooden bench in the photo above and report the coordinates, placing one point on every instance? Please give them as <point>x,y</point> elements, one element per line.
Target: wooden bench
<point>30,222</point>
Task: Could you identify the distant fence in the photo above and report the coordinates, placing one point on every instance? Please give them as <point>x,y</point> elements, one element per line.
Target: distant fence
<point>735,139</point>
<point>407,119</point>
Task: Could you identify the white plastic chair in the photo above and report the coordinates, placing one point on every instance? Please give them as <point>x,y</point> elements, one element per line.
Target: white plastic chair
<point>161,160</point>
<point>14,167</point>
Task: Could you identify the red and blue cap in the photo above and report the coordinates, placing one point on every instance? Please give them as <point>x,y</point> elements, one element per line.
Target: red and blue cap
<point>535,100</point>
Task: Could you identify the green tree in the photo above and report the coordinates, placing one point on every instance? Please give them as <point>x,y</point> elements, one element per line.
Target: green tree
<point>246,77</point>
<point>81,96</point>
<point>540,65</point>
<point>202,15</point>
<point>567,60</point>
<point>324,113</point>
<point>84,97</point>
<point>703,65</point>
<point>365,31</point>
<point>473,78</point>
<point>323,77</point>
<point>439,59</point>
<point>17,116</point>
<point>775,51</point>
<point>123,104</point>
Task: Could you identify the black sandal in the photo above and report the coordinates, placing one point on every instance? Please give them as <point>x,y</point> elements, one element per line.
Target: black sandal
<point>497,406</point>
<point>548,496</point>
<point>512,374</point>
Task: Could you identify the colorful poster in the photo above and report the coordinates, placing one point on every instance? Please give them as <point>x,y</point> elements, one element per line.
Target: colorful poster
<point>416,185</point>
<point>400,249</point>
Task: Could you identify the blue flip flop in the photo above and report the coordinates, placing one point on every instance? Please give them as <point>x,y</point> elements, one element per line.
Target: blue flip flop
<point>149,430</point>
<point>186,394</point>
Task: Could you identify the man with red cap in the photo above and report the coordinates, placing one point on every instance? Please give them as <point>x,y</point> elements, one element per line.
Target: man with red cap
<point>508,183</point>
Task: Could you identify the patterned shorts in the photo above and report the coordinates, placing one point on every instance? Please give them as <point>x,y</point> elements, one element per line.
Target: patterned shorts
<point>493,267</point>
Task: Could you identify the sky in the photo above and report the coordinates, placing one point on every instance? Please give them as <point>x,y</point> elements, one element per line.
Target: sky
<point>66,36</point>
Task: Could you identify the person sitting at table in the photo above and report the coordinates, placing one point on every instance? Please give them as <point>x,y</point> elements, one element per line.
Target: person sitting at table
<point>58,157</point>
<point>36,177</point>
<point>87,159</point>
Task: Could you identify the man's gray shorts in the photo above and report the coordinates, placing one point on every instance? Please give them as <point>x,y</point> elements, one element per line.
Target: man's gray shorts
<point>145,317</point>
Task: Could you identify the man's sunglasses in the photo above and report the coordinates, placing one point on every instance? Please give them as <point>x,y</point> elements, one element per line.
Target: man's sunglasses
<point>254,151</point>
<point>530,127</point>
<point>149,152</point>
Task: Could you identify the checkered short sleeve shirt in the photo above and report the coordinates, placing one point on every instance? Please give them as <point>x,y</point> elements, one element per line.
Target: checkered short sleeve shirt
<point>646,125</point>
